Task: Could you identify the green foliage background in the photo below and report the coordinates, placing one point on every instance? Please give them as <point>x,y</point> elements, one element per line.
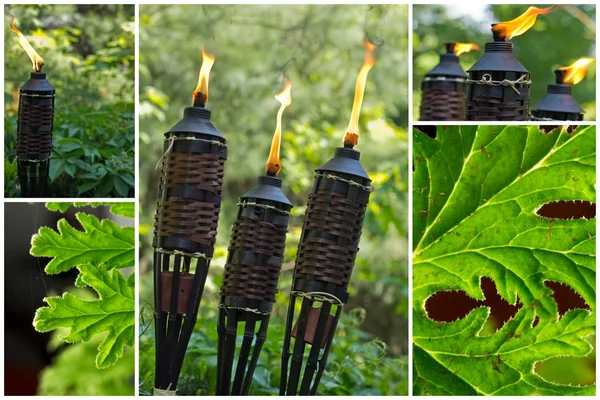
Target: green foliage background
<point>556,40</point>
<point>320,48</point>
<point>89,59</point>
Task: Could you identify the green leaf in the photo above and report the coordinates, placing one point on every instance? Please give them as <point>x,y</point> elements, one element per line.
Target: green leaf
<point>125,209</point>
<point>476,191</point>
<point>56,168</point>
<point>101,242</point>
<point>121,187</point>
<point>87,186</point>
<point>112,312</point>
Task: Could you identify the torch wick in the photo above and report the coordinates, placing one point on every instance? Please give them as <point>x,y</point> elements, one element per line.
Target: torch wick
<point>200,100</point>
<point>560,76</point>
<point>498,34</point>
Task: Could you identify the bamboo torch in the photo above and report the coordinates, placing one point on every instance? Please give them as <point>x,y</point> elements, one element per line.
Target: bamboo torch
<point>498,83</point>
<point>326,254</point>
<point>35,124</point>
<point>252,270</point>
<point>185,229</point>
<point>559,104</point>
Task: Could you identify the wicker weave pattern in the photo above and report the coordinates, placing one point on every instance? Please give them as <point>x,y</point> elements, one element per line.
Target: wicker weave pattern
<point>443,105</point>
<point>193,220</point>
<point>35,126</point>
<point>484,108</point>
<point>330,257</point>
<point>190,218</point>
<point>250,275</point>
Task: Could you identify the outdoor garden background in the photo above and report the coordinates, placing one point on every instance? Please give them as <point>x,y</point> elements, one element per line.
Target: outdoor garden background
<point>556,40</point>
<point>89,58</point>
<point>252,44</point>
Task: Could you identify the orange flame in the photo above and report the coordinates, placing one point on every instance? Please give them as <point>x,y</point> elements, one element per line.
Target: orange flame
<point>521,24</point>
<point>460,48</point>
<point>351,136</point>
<point>575,72</point>
<point>37,61</point>
<point>200,94</point>
<point>285,98</point>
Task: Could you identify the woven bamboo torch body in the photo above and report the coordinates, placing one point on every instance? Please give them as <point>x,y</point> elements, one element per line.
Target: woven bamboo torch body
<point>249,287</point>
<point>188,205</point>
<point>558,104</point>
<point>326,254</point>
<point>498,85</point>
<point>444,90</point>
<point>34,134</point>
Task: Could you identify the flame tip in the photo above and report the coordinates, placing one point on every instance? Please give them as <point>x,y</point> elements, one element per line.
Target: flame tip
<point>461,48</point>
<point>37,61</point>
<point>285,98</point>
<point>515,27</point>
<point>200,94</point>
<point>575,72</point>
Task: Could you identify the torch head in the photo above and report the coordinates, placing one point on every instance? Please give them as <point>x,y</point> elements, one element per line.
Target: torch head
<point>345,161</point>
<point>268,189</point>
<point>196,121</point>
<point>37,83</point>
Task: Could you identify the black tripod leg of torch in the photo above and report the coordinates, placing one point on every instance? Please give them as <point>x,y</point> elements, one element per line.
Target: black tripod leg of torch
<point>174,323</point>
<point>191,316</point>
<point>230,335</point>
<point>33,181</point>
<point>323,360</point>
<point>240,370</point>
<point>299,345</point>
<point>285,353</point>
<point>315,349</point>
<point>43,176</point>
<point>260,341</point>
<point>22,169</point>
<point>159,322</point>
<point>221,348</point>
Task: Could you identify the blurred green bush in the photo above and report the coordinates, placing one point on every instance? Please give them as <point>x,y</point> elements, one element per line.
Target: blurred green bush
<point>89,58</point>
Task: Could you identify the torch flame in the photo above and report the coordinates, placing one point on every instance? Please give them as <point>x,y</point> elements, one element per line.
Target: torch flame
<point>285,98</point>
<point>575,72</point>
<point>351,136</point>
<point>37,61</point>
<point>521,24</point>
<point>200,94</point>
<point>460,48</point>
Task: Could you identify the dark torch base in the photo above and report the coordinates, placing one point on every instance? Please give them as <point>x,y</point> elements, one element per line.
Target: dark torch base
<point>175,315</point>
<point>34,134</point>
<point>33,176</point>
<point>326,255</point>
<point>252,270</point>
<point>188,206</point>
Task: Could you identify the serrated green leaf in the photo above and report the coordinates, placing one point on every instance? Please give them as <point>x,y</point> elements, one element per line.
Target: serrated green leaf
<point>101,242</point>
<point>112,312</point>
<point>476,191</point>
<point>125,209</point>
